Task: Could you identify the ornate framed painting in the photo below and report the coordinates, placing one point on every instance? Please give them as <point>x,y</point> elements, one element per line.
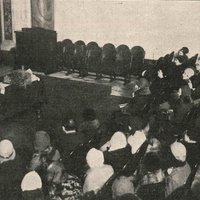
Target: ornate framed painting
<point>7,17</point>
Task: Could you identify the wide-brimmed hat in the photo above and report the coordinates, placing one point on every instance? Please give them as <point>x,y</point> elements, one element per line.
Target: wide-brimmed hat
<point>7,151</point>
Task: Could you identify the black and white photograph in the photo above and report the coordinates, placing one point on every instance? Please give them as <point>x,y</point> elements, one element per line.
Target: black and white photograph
<point>99,100</point>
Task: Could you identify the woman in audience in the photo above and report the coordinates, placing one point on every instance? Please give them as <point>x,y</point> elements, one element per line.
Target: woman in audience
<point>31,187</point>
<point>61,184</point>
<point>98,172</point>
<point>117,152</point>
<point>179,171</point>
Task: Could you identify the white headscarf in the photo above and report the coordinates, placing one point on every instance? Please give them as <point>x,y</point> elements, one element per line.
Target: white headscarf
<point>136,140</point>
<point>31,181</point>
<point>179,151</point>
<point>95,158</point>
<point>117,141</point>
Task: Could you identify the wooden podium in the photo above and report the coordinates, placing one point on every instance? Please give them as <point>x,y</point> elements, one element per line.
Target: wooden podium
<point>35,49</point>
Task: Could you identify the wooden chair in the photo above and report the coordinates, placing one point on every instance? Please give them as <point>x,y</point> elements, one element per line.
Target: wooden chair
<point>68,55</point>
<point>108,60</point>
<point>137,60</point>
<point>93,58</point>
<point>79,58</point>
<point>123,59</point>
<point>58,54</point>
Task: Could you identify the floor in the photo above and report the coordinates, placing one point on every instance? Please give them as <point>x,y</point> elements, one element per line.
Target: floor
<point>117,87</point>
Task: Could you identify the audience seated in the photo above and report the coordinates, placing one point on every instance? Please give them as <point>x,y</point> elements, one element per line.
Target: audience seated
<point>149,149</point>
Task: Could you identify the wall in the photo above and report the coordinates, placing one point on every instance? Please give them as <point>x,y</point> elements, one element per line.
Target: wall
<point>158,26</point>
<point>20,18</point>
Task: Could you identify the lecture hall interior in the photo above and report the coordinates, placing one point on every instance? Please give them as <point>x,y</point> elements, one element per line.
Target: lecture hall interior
<point>99,100</point>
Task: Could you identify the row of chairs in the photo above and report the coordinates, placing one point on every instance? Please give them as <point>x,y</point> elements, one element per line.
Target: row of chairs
<point>120,61</point>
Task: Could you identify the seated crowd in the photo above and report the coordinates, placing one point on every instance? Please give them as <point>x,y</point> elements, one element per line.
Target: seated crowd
<point>146,150</point>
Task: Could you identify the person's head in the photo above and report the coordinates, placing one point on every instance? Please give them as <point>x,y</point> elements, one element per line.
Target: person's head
<point>118,141</point>
<point>154,146</point>
<point>188,73</point>
<point>95,158</point>
<point>55,172</point>
<point>69,124</point>
<point>183,51</point>
<point>177,61</point>
<point>143,82</point>
<point>122,185</point>
<point>42,141</point>
<point>7,151</point>
<point>164,106</point>
<point>179,151</point>
<point>197,64</point>
<point>136,140</point>
<point>89,114</point>
<point>31,187</point>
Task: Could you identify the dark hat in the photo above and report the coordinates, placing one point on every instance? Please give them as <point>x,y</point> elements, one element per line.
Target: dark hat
<point>89,114</point>
<point>185,50</point>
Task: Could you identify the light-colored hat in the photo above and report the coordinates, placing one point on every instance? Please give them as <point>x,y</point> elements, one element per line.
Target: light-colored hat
<point>7,151</point>
<point>117,141</point>
<point>31,181</point>
<point>136,140</point>
<point>179,151</point>
<point>95,158</point>
<point>42,140</point>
